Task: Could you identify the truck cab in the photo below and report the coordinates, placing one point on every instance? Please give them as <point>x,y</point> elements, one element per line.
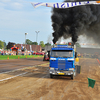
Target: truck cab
<point>62,61</point>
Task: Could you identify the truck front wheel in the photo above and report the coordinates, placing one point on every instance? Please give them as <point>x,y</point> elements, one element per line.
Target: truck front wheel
<point>51,76</point>
<point>73,75</point>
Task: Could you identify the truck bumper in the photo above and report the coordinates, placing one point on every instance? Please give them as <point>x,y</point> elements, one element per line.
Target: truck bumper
<point>54,72</point>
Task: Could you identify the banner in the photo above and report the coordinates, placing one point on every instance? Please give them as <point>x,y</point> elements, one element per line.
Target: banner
<point>64,4</point>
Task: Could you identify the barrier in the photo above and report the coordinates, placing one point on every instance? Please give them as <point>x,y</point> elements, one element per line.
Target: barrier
<point>8,58</point>
<point>98,61</point>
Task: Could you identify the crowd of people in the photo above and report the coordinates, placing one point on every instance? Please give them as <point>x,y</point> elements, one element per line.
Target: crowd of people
<point>10,52</point>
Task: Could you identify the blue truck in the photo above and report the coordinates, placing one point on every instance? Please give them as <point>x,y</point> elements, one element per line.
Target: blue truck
<point>62,61</point>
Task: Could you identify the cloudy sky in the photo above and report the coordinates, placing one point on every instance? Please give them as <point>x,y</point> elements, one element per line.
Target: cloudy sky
<point>18,17</point>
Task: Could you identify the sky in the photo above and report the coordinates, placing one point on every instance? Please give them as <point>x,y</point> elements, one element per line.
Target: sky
<point>18,17</point>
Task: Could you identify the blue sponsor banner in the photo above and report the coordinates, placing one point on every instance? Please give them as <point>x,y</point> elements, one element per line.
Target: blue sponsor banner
<point>64,4</point>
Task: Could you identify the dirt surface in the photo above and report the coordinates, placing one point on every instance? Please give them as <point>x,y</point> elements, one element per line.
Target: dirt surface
<point>33,83</point>
<point>8,65</point>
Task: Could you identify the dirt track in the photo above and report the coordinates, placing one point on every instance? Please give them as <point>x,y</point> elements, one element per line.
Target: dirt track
<point>8,65</point>
<point>36,84</point>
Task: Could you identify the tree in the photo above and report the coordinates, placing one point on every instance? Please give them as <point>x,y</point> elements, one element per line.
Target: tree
<point>28,41</point>
<point>42,44</point>
<point>78,45</point>
<point>10,44</point>
<point>1,44</point>
<point>47,44</point>
<point>34,43</point>
<point>5,45</point>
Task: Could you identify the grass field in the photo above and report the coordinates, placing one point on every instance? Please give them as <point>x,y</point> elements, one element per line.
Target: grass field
<point>5,57</point>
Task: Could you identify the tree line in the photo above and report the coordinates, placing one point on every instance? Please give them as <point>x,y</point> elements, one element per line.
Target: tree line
<point>35,43</point>
<point>2,44</point>
<point>10,44</point>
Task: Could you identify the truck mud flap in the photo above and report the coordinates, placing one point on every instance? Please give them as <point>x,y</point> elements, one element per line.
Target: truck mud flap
<point>78,69</point>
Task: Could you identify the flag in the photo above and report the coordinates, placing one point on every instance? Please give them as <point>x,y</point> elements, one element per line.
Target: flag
<point>21,46</point>
<point>64,4</point>
<point>91,82</point>
<point>30,48</point>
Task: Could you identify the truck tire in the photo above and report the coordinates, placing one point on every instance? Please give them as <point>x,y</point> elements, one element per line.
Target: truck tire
<point>51,76</point>
<point>73,75</point>
<point>43,59</point>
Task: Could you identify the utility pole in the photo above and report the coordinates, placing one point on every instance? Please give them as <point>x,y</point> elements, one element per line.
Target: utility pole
<point>25,40</point>
<point>36,37</point>
<point>4,46</point>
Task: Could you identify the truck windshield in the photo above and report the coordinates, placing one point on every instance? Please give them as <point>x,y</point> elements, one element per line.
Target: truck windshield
<point>62,53</point>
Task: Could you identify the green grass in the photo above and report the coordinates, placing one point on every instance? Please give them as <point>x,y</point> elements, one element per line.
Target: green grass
<point>5,57</point>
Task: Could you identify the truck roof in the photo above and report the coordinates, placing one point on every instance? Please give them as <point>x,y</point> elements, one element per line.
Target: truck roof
<point>62,47</point>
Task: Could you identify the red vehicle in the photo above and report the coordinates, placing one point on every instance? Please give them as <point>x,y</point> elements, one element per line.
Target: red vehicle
<point>46,56</point>
<point>34,53</point>
<point>38,53</point>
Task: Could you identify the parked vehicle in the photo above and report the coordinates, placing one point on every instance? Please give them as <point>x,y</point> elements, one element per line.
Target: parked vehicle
<point>38,53</point>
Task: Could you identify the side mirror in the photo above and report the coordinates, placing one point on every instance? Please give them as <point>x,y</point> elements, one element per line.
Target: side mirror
<point>75,54</point>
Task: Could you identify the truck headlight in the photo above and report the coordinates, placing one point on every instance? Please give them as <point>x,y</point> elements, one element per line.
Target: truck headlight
<point>71,68</point>
<point>51,68</point>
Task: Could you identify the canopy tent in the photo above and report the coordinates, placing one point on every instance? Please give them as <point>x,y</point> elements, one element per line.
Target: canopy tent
<point>14,48</point>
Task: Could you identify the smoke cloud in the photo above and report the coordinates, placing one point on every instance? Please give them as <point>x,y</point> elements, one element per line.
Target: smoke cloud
<point>76,21</point>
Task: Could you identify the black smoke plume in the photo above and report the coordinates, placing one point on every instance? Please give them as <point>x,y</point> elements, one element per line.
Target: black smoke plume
<point>76,21</point>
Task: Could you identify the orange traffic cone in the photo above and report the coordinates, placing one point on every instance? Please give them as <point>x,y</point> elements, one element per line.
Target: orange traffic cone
<point>8,58</point>
<point>26,56</point>
<point>18,57</point>
<point>33,56</point>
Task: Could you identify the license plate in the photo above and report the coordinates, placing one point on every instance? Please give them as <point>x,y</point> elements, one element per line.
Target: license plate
<point>61,73</point>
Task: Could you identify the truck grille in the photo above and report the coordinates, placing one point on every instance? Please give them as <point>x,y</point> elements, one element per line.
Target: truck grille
<point>61,64</point>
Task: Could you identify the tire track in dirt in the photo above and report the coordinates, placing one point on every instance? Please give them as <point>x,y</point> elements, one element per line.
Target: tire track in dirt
<point>37,85</point>
<point>9,65</point>
<point>80,90</point>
